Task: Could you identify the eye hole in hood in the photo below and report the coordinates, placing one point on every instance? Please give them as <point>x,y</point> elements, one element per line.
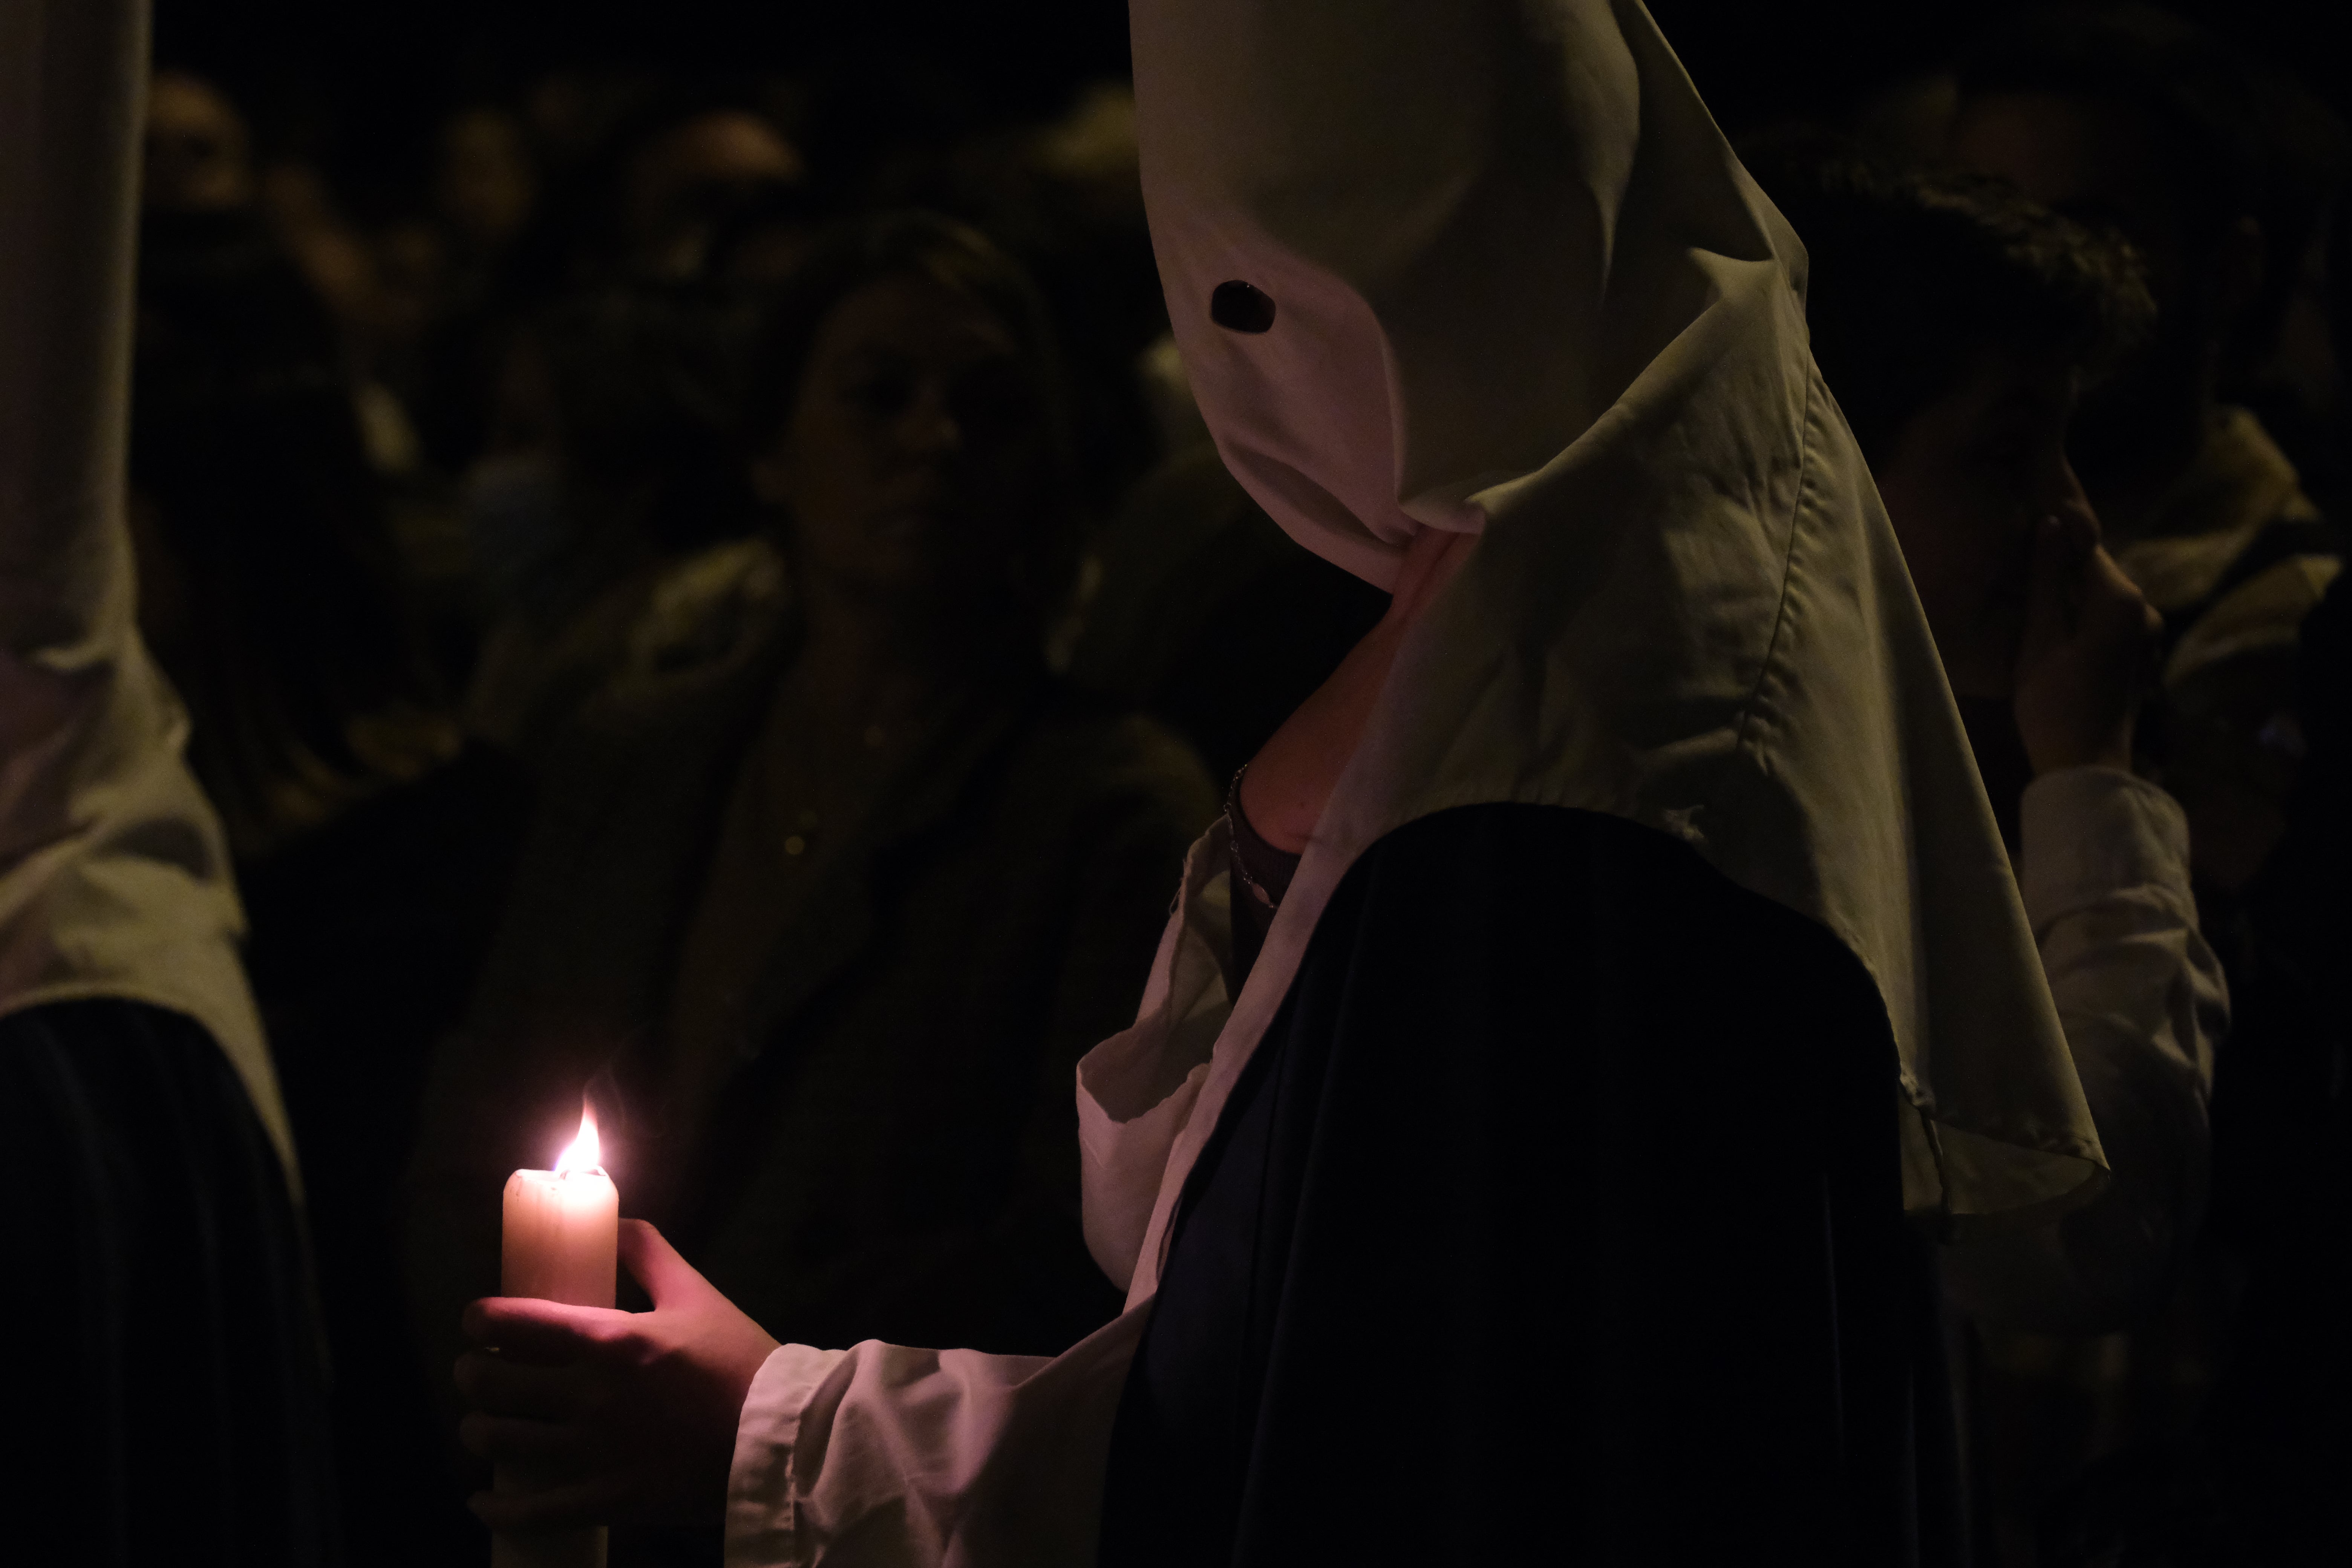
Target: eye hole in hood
<point>1238,307</point>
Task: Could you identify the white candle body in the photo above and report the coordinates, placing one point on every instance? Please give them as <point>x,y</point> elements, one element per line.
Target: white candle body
<point>562,1238</point>
<point>563,1242</point>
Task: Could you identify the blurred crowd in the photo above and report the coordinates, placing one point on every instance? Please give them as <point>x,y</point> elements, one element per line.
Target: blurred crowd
<point>754,637</point>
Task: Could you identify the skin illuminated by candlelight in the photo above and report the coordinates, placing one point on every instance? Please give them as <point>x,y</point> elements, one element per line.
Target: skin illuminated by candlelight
<point>592,1415</point>
<point>604,1416</point>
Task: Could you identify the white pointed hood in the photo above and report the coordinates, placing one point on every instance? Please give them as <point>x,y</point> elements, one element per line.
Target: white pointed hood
<point>1519,286</point>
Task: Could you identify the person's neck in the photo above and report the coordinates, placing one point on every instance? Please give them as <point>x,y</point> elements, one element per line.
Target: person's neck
<point>866,661</point>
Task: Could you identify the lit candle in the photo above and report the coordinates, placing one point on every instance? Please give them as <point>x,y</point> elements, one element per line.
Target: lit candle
<point>561,1244</point>
<point>563,1227</point>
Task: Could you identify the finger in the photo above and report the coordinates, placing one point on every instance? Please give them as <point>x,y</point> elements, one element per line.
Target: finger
<point>503,1440</point>
<point>2114,605</point>
<point>2113,579</point>
<point>2049,575</point>
<point>654,1264</point>
<point>546,1332</point>
<point>547,1508</point>
<point>2076,514</point>
<point>499,1387</point>
<point>2081,531</point>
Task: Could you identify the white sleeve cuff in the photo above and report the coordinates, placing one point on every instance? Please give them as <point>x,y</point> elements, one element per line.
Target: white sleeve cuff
<point>761,1515</point>
<point>2085,834</point>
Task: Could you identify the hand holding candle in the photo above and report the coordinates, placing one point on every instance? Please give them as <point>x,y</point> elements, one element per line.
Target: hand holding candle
<point>594,1415</point>
<point>561,1244</point>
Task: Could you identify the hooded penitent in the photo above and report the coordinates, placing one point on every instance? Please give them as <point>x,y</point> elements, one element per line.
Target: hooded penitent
<point>1543,1186</point>
<point>1512,281</point>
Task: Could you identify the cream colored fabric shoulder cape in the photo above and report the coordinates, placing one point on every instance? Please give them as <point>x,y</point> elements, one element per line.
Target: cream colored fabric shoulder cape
<point>1531,295</point>
<point>114,875</point>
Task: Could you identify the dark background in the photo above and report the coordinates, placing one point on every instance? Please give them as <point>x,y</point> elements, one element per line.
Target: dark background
<point>358,83</point>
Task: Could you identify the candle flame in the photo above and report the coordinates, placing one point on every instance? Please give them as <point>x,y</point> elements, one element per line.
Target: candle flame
<point>586,1153</point>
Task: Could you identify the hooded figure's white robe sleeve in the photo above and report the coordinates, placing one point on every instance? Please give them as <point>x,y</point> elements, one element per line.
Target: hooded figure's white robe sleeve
<point>114,874</point>
<point>887,1455</point>
<point>2104,867</point>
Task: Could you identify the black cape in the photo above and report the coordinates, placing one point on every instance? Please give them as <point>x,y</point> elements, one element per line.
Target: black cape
<point>1557,1212</point>
<point>167,1376</point>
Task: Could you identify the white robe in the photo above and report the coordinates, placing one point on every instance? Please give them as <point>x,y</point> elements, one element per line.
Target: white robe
<point>1522,290</point>
<point>114,873</point>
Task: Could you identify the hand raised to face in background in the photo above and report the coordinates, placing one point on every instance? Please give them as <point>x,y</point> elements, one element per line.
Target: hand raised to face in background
<point>2084,662</point>
<point>597,1417</point>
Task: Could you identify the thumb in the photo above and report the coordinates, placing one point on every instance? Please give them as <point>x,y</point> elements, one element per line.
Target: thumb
<point>2126,622</point>
<point>654,1264</point>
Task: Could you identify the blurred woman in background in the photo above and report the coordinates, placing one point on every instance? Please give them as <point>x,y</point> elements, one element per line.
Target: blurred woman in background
<point>832,884</point>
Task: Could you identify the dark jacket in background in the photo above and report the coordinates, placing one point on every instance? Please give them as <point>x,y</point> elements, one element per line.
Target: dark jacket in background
<point>889,1150</point>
